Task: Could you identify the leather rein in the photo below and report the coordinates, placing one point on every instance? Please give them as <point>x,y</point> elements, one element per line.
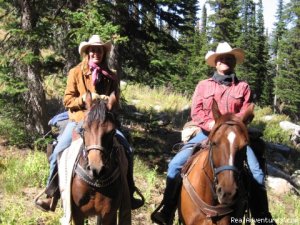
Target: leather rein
<point>210,210</point>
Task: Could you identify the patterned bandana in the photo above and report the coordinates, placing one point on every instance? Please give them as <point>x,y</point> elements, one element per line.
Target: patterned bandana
<point>96,70</point>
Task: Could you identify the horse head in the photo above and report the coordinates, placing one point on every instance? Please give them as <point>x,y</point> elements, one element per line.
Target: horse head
<point>228,142</point>
<point>99,128</point>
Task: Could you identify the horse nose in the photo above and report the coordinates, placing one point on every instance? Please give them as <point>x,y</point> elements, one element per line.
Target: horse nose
<point>226,195</point>
<point>95,170</point>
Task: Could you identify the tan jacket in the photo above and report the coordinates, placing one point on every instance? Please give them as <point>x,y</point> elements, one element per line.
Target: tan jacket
<point>78,83</point>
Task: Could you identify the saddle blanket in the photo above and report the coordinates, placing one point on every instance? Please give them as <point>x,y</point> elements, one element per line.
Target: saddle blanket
<point>65,170</point>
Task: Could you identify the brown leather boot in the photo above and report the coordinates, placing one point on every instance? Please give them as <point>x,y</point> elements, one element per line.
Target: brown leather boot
<point>48,204</point>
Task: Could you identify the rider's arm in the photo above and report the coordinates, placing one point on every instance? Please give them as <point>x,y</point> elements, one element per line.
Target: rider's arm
<point>72,98</point>
<point>200,114</point>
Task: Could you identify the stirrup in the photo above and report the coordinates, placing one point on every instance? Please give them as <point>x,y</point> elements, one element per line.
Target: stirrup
<point>53,204</point>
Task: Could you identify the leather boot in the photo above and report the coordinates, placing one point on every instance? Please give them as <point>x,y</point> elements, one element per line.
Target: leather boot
<point>169,203</point>
<point>259,207</point>
<point>52,195</point>
<point>47,204</point>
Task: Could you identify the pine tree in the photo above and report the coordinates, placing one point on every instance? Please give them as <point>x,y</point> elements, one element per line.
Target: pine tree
<point>225,20</point>
<point>21,22</point>
<point>288,80</point>
<point>262,81</point>
<point>280,29</point>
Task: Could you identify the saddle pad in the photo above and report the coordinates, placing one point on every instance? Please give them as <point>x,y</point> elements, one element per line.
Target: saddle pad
<point>65,169</point>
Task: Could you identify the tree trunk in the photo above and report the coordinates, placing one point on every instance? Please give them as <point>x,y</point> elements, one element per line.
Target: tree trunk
<point>35,96</point>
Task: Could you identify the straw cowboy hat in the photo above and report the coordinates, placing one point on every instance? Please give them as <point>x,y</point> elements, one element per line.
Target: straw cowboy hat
<point>95,40</point>
<point>224,48</point>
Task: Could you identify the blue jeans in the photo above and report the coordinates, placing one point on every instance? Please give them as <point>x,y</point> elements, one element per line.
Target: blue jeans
<point>65,139</point>
<point>176,164</point>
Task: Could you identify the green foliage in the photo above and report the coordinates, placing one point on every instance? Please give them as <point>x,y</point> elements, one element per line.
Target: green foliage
<point>55,85</point>
<point>272,132</point>
<point>90,20</point>
<point>286,47</point>
<point>13,132</point>
<point>12,125</point>
<point>10,84</point>
<point>28,171</point>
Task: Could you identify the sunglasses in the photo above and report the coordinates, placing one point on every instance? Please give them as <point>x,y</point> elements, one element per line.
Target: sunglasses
<point>96,49</point>
<point>225,58</point>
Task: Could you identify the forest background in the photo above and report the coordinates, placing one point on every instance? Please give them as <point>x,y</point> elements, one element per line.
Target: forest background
<point>157,43</point>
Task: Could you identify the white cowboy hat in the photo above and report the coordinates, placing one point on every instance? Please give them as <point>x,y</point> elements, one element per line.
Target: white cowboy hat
<point>224,48</point>
<point>95,40</point>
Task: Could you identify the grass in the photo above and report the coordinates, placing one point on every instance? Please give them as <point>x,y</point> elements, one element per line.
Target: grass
<point>29,172</point>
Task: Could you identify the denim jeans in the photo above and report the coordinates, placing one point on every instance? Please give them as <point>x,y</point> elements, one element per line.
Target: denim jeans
<point>65,139</point>
<point>176,164</point>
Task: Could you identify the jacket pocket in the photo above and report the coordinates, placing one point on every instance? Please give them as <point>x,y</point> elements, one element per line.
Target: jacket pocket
<point>236,99</point>
<point>207,99</point>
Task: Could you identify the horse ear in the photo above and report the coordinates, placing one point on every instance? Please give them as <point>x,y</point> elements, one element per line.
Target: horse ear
<point>249,114</point>
<point>112,101</point>
<point>88,100</point>
<point>215,110</point>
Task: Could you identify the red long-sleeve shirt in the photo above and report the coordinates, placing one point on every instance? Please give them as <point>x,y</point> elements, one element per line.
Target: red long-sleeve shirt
<point>235,98</point>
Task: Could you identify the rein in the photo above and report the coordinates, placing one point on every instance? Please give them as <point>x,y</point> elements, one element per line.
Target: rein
<point>210,210</point>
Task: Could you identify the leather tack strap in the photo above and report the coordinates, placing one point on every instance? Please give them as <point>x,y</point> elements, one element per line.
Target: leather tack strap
<point>209,210</point>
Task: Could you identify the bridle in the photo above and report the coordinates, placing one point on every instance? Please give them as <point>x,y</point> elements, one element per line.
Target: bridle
<point>222,168</point>
<point>100,148</point>
<point>83,173</point>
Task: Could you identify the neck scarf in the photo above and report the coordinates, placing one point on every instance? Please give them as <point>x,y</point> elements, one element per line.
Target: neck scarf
<point>225,79</point>
<point>97,70</point>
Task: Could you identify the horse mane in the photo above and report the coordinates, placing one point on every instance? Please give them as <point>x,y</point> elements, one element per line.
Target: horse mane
<point>97,112</point>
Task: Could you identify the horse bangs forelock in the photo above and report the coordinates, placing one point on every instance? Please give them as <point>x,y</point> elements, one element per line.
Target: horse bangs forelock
<point>97,112</point>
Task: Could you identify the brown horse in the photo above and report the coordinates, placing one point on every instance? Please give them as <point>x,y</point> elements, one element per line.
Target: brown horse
<point>210,178</point>
<point>99,186</point>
